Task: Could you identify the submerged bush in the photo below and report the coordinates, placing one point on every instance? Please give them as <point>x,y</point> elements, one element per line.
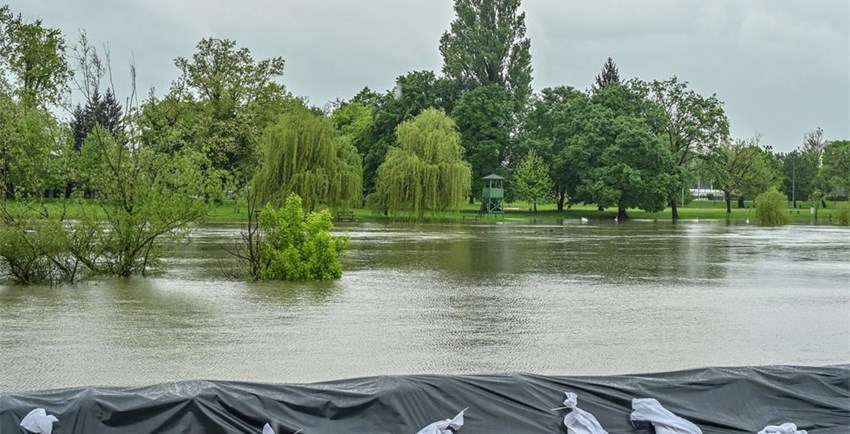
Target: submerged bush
<point>33,252</point>
<point>843,216</point>
<point>299,247</point>
<point>771,208</point>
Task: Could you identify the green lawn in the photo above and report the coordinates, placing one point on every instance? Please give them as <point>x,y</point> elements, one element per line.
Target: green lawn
<point>517,212</point>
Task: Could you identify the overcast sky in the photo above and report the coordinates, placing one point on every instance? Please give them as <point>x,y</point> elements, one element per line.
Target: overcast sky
<point>781,66</point>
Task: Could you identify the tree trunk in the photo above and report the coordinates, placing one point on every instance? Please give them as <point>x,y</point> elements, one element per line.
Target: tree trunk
<point>728,197</point>
<point>471,199</point>
<point>621,214</point>
<point>561,197</point>
<point>535,206</point>
<point>741,203</point>
<point>600,208</point>
<point>675,208</point>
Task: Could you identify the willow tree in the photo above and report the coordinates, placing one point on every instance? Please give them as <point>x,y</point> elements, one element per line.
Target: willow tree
<point>302,154</point>
<point>426,171</point>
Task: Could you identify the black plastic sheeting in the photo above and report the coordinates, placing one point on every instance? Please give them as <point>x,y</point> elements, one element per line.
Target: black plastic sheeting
<point>718,400</point>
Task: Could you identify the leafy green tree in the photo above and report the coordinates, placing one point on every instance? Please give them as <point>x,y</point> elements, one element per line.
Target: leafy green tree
<point>34,56</point>
<point>426,172</point>
<point>799,170</point>
<point>487,44</point>
<point>627,164</point>
<point>814,142</point>
<point>691,126</point>
<point>765,173</point>
<point>740,168</point>
<point>299,247</point>
<point>554,128</point>
<point>531,180</point>
<point>219,105</point>
<point>771,208</point>
<point>105,112</point>
<point>485,119</point>
<point>302,154</point>
<point>31,143</point>
<point>835,171</point>
<point>143,198</point>
<point>609,75</point>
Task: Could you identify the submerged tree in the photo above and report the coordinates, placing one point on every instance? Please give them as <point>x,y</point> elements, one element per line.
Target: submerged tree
<point>302,154</point>
<point>298,246</point>
<point>426,172</point>
<point>771,208</point>
<point>143,198</point>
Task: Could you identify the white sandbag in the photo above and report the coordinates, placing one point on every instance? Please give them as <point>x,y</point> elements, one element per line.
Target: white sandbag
<point>444,426</point>
<point>785,428</point>
<point>664,421</point>
<point>39,422</point>
<point>579,421</point>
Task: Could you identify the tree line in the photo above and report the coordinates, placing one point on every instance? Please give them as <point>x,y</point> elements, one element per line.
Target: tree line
<point>227,127</point>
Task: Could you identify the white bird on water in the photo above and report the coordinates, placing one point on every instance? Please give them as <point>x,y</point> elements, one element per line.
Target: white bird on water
<point>617,218</point>
<point>748,221</point>
<point>584,220</point>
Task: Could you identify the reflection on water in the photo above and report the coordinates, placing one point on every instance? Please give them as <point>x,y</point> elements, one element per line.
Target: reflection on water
<point>449,299</point>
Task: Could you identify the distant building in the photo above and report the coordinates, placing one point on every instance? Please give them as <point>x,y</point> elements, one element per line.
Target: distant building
<point>705,191</point>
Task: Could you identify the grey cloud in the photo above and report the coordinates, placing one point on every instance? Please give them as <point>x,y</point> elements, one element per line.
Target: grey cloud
<point>780,66</point>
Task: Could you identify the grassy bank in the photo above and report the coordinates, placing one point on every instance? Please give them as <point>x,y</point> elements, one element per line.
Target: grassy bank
<point>520,212</point>
<point>229,212</point>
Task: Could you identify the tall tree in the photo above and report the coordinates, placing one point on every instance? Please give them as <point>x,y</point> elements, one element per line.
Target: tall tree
<point>487,44</point>
<point>835,172</point>
<point>609,75</point>
<point>799,172</point>
<point>628,165</point>
<point>740,167</point>
<point>814,142</point>
<point>485,119</point>
<point>415,92</point>
<point>531,180</point>
<point>553,129</point>
<point>34,56</point>
<point>426,172</point>
<point>690,125</point>
<point>301,154</point>
<point>219,105</point>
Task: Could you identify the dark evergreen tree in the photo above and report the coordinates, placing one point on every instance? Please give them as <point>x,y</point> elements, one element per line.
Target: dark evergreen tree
<point>609,75</point>
<point>99,111</point>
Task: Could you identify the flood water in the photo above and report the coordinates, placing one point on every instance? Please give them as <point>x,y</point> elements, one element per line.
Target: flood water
<point>567,299</point>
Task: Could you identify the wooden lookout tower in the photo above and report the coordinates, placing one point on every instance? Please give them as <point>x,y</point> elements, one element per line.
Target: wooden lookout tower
<point>493,196</point>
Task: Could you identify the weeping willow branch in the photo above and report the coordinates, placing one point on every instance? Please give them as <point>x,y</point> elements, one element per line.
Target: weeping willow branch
<point>301,154</point>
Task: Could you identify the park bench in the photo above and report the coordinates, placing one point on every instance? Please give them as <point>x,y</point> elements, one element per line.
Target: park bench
<point>347,216</point>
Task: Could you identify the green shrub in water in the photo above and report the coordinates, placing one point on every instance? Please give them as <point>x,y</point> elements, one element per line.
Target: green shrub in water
<point>772,208</point>
<point>299,247</point>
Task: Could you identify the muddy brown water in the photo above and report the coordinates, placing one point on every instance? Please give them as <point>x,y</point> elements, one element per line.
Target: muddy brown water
<point>567,299</point>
